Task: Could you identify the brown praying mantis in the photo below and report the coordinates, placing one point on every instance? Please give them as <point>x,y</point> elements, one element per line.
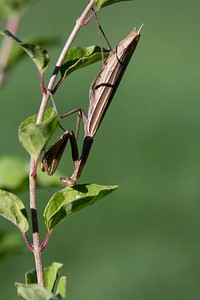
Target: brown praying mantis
<point>101,94</point>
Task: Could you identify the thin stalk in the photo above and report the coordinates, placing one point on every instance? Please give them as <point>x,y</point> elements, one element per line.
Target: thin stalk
<point>35,226</point>
<point>78,25</point>
<point>37,246</point>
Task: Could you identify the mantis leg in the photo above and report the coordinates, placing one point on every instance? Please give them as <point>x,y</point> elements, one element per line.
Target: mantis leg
<point>52,157</point>
<point>87,144</point>
<point>80,115</point>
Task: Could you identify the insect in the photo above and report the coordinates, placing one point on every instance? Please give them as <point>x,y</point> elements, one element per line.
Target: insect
<point>101,94</point>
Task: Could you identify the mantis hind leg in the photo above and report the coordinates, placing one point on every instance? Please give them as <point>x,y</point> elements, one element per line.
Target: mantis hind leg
<point>79,165</point>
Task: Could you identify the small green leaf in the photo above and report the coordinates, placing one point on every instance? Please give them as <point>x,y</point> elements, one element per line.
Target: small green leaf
<point>51,277</point>
<point>38,55</point>
<point>31,277</point>
<point>68,201</point>
<point>51,274</point>
<point>33,292</point>
<point>78,57</point>
<point>62,287</point>
<point>12,209</point>
<point>17,53</point>
<point>103,3</point>
<point>34,137</point>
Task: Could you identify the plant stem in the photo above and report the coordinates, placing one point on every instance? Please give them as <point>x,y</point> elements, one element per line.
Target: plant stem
<point>37,247</point>
<point>78,25</point>
<point>35,225</point>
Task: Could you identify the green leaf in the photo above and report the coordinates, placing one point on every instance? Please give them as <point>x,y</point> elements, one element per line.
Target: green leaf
<point>12,209</point>
<point>17,53</point>
<point>62,287</point>
<point>78,57</point>
<point>51,277</point>
<point>104,3</point>
<point>33,292</point>
<point>31,277</point>
<point>50,274</point>
<point>34,137</point>
<point>38,55</point>
<point>68,201</point>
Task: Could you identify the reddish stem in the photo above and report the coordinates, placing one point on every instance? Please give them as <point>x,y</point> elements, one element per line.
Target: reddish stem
<point>28,244</point>
<point>44,244</point>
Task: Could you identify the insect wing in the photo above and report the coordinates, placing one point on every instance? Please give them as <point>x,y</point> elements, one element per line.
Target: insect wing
<point>52,157</point>
<point>107,81</point>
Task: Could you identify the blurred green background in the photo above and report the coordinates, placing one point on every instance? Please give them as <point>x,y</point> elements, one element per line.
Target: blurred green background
<point>142,241</point>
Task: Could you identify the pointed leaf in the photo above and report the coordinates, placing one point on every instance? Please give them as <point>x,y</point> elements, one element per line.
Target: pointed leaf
<point>50,273</point>
<point>78,57</point>
<point>62,287</point>
<point>31,277</point>
<point>17,53</point>
<point>51,277</point>
<point>34,291</point>
<point>38,55</point>
<point>104,3</point>
<point>68,201</point>
<point>12,209</point>
<point>34,137</point>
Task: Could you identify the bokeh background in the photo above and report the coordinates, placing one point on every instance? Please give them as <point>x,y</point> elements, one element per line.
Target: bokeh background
<point>142,241</point>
